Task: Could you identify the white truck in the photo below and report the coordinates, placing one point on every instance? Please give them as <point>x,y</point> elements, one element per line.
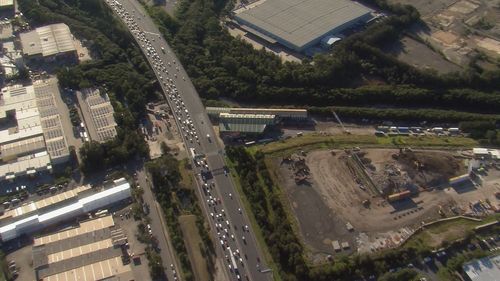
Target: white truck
<point>233,260</point>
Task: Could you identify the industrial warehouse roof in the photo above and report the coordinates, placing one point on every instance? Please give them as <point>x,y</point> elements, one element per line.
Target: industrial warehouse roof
<point>42,203</point>
<point>48,40</point>
<point>98,114</point>
<point>244,123</point>
<point>485,269</point>
<point>32,136</point>
<point>300,21</point>
<point>281,112</point>
<point>86,252</point>
<point>6,3</point>
<point>119,191</point>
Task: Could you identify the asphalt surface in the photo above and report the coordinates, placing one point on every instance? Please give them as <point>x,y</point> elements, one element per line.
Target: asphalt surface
<point>219,197</point>
<point>158,226</point>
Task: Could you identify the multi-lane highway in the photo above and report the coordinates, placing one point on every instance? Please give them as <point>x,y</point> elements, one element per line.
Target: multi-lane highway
<point>234,237</point>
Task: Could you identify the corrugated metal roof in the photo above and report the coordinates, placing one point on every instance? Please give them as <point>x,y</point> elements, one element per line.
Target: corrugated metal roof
<point>87,204</point>
<point>48,40</point>
<point>6,3</point>
<point>244,123</point>
<point>281,112</point>
<point>485,269</point>
<point>301,21</point>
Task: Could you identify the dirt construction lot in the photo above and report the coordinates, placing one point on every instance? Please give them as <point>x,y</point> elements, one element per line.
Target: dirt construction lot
<point>421,56</point>
<point>328,189</point>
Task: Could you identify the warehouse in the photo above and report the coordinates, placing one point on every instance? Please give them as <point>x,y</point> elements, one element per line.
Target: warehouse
<point>300,24</point>
<point>244,123</point>
<point>281,113</point>
<point>32,138</point>
<point>98,114</point>
<point>74,208</point>
<point>485,269</point>
<point>91,251</point>
<point>39,205</point>
<point>48,42</point>
<point>7,5</point>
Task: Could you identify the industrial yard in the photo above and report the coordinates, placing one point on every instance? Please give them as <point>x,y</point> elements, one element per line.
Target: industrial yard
<point>396,189</point>
<point>456,29</point>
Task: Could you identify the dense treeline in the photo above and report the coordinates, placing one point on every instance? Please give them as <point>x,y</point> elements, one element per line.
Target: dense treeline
<point>175,200</point>
<point>284,246</point>
<point>165,177</point>
<point>224,66</point>
<point>486,131</point>
<point>119,69</point>
<point>403,114</point>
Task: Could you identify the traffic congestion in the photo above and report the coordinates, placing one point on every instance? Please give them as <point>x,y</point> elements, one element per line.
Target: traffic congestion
<point>231,237</point>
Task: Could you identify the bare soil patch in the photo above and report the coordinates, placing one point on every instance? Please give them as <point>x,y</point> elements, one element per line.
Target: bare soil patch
<point>193,242</point>
<point>421,56</point>
<point>395,171</point>
<point>326,192</point>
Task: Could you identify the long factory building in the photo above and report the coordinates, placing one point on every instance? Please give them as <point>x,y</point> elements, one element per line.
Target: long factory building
<point>90,251</point>
<point>35,215</point>
<point>32,137</point>
<point>300,24</point>
<point>235,120</point>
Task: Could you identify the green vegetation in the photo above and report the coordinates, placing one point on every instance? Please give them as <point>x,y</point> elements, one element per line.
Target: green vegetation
<point>309,142</point>
<point>247,205</point>
<point>223,66</point>
<point>485,131</point>
<point>282,243</point>
<point>176,200</point>
<point>403,114</point>
<point>402,275</point>
<point>73,115</point>
<point>165,177</point>
<point>484,24</point>
<point>119,68</point>
<point>4,269</point>
<point>197,251</point>
<point>155,265</point>
<point>443,233</point>
<point>454,264</point>
<point>275,227</point>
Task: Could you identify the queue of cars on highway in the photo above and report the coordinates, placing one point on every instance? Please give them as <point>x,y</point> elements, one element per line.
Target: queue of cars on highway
<point>167,73</point>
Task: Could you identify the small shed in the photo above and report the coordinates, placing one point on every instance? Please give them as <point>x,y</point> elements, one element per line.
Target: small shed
<point>336,245</point>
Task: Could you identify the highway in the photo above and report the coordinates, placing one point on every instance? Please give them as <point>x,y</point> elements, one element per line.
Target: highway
<point>229,223</point>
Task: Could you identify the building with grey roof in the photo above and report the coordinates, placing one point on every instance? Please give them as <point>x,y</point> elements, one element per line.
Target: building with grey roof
<point>485,269</point>
<point>98,114</point>
<point>300,24</point>
<point>282,113</point>
<point>31,134</point>
<point>244,123</point>
<point>48,41</point>
<point>66,210</point>
<point>6,5</point>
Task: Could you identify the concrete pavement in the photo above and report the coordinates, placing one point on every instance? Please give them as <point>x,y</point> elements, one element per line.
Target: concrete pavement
<point>178,89</point>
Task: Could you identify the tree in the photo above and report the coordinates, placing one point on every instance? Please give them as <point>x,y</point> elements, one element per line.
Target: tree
<point>401,275</point>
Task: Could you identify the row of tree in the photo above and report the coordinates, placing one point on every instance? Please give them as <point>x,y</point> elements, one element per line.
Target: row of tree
<point>284,246</point>
<point>118,68</point>
<point>175,200</point>
<point>221,65</point>
<point>165,177</point>
<point>403,114</point>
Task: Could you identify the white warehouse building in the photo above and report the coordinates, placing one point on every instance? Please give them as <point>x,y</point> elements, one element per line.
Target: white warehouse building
<point>120,191</point>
